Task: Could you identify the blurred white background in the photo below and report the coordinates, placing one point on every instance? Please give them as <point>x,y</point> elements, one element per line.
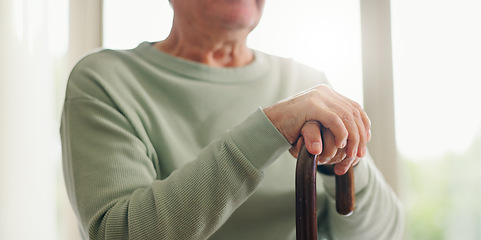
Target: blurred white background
<point>436,58</point>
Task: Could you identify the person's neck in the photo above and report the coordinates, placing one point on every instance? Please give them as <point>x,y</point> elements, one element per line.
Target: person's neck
<point>218,50</point>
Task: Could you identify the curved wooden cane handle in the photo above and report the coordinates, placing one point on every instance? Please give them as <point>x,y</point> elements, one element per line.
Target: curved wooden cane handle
<point>306,210</point>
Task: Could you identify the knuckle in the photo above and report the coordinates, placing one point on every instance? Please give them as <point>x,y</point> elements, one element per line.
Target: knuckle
<point>309,126</point>
<point>357,105</point>
<point>323,89</point>
<point>311,94</point>
<point>346,116</point>
<point>316,95</point>
<point>323,86</point>
<point>354,138</point>
<point>356,113</point>
<point>362,143</point>
<point>312,99</point>
<point>312,123</point>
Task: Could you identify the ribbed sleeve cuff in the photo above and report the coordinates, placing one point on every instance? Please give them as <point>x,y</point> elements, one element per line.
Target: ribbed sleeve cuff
<point>259,140</point>
<point>361,178</point>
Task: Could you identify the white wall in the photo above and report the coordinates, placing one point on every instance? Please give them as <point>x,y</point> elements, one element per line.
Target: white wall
<point>27,142</point>
<point>40,41</point>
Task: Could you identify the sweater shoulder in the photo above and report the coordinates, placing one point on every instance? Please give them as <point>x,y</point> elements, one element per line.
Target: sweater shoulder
<point>292,65</point>
<point>102,60</point>
<point>296,75</point>
<point>98,71</point>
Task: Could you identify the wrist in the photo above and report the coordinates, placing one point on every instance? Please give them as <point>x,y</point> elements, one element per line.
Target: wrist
<point>277,118</point>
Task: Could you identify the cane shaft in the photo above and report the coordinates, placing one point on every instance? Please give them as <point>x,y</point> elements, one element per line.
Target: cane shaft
<point>306,210</point>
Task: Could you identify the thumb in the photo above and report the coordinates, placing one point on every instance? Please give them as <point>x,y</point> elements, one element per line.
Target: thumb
<point>311,132</point>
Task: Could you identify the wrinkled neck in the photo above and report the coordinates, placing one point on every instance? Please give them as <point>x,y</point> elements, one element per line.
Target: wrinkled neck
<point>208,46</point>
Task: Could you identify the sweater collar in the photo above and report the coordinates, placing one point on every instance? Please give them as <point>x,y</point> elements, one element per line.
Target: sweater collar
<point>202,72</point>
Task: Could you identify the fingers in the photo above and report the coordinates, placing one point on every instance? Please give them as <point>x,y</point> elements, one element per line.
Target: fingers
<point>344,117</point>
<point>330,149</point>
<point>311,134</point>
<point>342,167</point>
<point>338,157</point>
<point>333,122</point>
<point>331,155</point>
<point>363,124</point>
<point>353,120</point>
<point>361,137</point>
<point>341,162</point>
<point>365,119</point>
<point>357,123</point>
<point>354,137</point>
<point>356,162</point>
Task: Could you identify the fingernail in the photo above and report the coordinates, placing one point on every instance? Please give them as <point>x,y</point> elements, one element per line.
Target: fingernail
<point>369,135</point>
<point>343,144</point>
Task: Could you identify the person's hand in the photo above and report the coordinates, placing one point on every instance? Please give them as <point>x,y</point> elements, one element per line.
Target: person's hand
<point>307,111</point>
<point>330,154</point>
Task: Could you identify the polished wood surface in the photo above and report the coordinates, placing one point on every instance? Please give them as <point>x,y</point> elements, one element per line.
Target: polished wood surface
<point>306,209</point>
<point>345,194</point>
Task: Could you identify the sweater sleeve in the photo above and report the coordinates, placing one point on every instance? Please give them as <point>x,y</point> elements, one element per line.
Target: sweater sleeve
<point>378,213</point>
<point>112,182</point>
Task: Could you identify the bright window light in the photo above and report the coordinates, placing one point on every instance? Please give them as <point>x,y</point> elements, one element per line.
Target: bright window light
<point>437,57</point>
<point>436,49</point>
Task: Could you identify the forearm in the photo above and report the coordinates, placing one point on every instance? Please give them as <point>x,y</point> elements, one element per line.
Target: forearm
<point>192,203</point>
<point>113,185</point>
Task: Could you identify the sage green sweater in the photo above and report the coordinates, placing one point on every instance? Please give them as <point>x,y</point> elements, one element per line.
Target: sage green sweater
<point>156,147</point>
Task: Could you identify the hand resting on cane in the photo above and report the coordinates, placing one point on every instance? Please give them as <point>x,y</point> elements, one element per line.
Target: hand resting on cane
<point>330,124</point>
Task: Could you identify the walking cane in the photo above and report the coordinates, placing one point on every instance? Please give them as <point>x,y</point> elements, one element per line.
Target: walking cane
<point>306,210</point>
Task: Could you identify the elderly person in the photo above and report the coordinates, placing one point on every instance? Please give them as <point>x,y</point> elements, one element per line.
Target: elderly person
<point>188,138</point>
